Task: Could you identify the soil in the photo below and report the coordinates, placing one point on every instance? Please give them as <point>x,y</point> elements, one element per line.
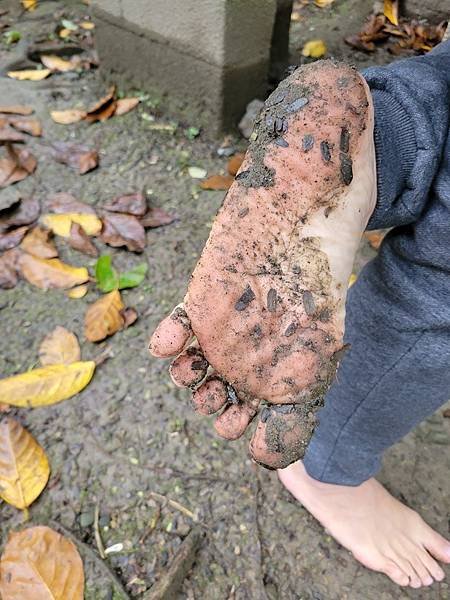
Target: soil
<point>131,432</point>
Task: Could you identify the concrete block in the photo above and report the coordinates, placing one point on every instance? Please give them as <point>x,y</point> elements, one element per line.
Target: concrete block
<point>208,58</point>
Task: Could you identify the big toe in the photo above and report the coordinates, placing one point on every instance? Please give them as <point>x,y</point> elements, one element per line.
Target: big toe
<point>281,436</point>
<point>171,335</point>
<point>436,544</point>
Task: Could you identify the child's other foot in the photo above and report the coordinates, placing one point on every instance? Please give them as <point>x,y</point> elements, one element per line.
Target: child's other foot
<point>266,301</point>
<point>381,532</point>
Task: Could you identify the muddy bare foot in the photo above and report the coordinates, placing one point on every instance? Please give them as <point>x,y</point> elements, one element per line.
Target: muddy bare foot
<point>381,532</point>
<point>266,301</point>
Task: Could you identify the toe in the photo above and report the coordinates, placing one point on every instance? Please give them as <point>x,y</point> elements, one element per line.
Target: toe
<point>281,436</point>
<point>437,545</point>
<point>407,567</point>
<point>189,368</point>
<point>396,573</point>
<point>235,419</point>
<point>421,568</point>
<point>171,335</point>
<point>210,397</point>
<point>432,566</point>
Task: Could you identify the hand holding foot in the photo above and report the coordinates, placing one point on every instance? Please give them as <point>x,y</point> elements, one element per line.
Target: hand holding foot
<point>266,302</point>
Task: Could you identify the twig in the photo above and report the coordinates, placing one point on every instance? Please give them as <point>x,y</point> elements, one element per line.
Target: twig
<point>98,537</point>
<point>169,584</point>
<point>174,504</point>
<point>102,565</point>
<point>152,525</point>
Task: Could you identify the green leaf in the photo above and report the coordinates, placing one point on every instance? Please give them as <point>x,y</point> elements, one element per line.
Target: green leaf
<point>70,25</point>
<point>11,37</point>
<point>192,132</point>
<point>106,276</point>
<point>133,277</point>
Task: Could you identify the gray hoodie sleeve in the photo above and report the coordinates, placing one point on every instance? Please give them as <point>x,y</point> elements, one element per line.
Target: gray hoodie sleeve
<point>412,113</point>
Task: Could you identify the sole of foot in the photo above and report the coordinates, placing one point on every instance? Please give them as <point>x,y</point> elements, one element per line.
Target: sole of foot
<point>266,302</point>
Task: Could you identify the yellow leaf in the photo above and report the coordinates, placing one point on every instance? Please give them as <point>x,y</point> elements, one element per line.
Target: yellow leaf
<point>48,273</point>
<point>24,468</point>
<point>314,49</point>
<point>390,10</point>
<point>29,4</point>
<point>29,74</point>
<point>323,3</point>
<point>78,292</point>
<point>40,564</point>
<point>352,279</point>
<point>55,63</point>
<point>67,117</point>
<point>104,317</point>
<point>64,33</point>
<point>60,346</point>
<point>49,385</point>
<point>61,223</point>
<point>124,105</point>
<point>87,25</point>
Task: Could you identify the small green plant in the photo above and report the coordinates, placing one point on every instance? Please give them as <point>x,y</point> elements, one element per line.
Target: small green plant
<point>12,37</point>
<point>108,279</point>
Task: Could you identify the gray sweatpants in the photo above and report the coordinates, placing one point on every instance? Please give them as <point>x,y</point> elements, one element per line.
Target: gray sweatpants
<point>397,371</point>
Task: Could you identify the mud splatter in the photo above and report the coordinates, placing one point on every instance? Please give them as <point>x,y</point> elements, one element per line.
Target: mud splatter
<point>272,300</point>
<point>308,142</point>
<point>308,303</point>
<point>247,297</point>
<point>325,151</point>
<point>346,168</point>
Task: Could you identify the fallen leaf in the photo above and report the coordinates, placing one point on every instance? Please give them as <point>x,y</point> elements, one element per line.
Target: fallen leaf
<point>80,241</point>
<point>235,162</point>
<point>37,242</point>
<point>314,49</point>
<point>23,212</point>
<point>132,204</point>
<point>24,468</point>
<point>61,224</point>
<point>9,134</point>
<point>123,230</point>
<point>129,317</point>
<point>197,172</point>
<point>375,238</point>
<point>64,33</point>
<point>29,74</point>
<point>88,25</point>
<point>16,109</point>
<point>59,347</point>
<point>12,238</point>
<point>390,10</point>
<point>67,117</point>
<point>104,108</point>
<point>69,24</point>
<point>29,4</point>
<point>156,217</point>
<point>40,564</point>
<point>45,386</point>
<point>47,273</point>
<point>17,165</point>
<point>9,267</point>
<point>353,277</point>
<point>323,3</point>
<point>106,276</point>
<point>56,63</point>
<point>133,277</point>
<point>29,125</point>
<point>78,292</point>
<point>104,318</point>
<point>217,182</point>
<point>124,105</point>
<point>63,202</point>
<point>74,155</point>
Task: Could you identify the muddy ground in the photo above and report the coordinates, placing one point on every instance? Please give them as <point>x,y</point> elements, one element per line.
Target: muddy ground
<point>131,432</point>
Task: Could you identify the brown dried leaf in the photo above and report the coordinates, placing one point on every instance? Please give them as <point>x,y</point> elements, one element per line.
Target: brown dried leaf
<point>104,317</point>
<point>9,266</point>
<point>46,273</point>
<point>16,165</point>
<point>104,108</point>
<point>235,162</point>
<point>129,316</point>
<point>76,156</point>
<point>217,182</point>
<point>132,204</point>
<point>38,243</point>
<point>16,109</point>
<point>8,134</point>
<point>29,125</point>
<point>123,230</point>
<point>12,238</point>
<point>41,564</point>
<point>24,212</point>
<point>60,346</point>
<point>80,241</point>
<point>67,117</point>
<point>124,105</point>
<point>63,203</point>
<point>375,238</point>
<point>156,217</point>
